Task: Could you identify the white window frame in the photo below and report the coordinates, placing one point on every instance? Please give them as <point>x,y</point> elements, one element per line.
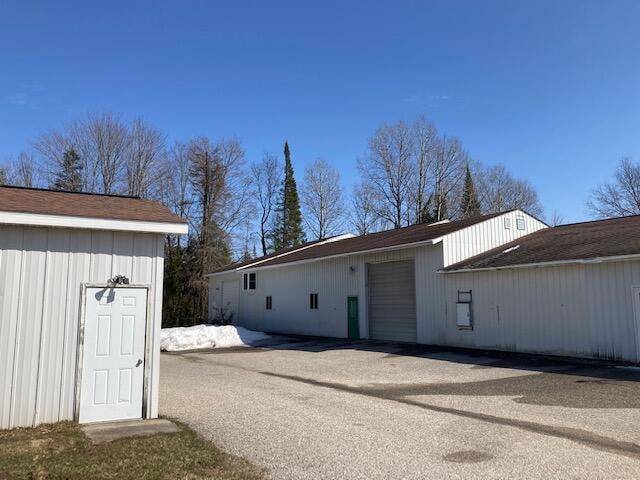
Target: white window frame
<point>246,281</point>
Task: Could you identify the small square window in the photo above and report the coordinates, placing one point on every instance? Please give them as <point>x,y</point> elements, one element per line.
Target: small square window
<point>507,223</point>
<point>249,281</point>
<point>269,303</point>
<point>313,301</point>
<point>520,223</point>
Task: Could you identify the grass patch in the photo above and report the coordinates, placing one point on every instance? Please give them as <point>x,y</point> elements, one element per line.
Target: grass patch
<point>62,451</point>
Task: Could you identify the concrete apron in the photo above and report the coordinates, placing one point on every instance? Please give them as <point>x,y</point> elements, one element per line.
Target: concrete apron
<point>109,431</point>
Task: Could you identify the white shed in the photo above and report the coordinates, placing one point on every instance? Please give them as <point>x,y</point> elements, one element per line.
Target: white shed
<point>80,305</point>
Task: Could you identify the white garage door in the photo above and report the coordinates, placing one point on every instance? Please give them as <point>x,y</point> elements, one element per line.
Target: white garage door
<point>113,354</point>
<point>392,301</point>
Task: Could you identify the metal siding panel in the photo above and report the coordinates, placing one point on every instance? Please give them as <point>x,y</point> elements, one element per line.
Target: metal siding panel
<point>53,320</point>
<point>579,310</point>
<point>155,317</point>
<point>11,239</point>
<point>102,258</point>
<point>79,271</point>
<point>123,248</point>
<point>27,354</point>
<point>143,263</point>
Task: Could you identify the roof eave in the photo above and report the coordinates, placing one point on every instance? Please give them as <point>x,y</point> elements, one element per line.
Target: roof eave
<point>91,223</point>
<point>581,261</point>
<point>329,257</point>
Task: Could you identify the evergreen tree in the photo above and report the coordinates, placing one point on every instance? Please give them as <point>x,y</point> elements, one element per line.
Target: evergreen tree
<point>3,176</point>
<point>470,206</point>
<point>70,175</point>
<point>425,215</point>
<point>287,230</point>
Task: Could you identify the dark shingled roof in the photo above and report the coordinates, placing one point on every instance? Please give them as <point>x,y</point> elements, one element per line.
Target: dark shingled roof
<point>578,241</point>
<point>233,266</point>
<point>373,241</point>
<point>73,204</point>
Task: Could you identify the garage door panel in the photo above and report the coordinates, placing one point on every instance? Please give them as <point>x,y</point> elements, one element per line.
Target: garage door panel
<point>392,303</point>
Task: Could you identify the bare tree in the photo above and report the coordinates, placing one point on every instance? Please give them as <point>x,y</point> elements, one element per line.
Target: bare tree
<point>448,173</point>
<point>3,176</point>
<point>52,147</point>
<point>174,183</point>
<point>388,171</point>
<point>499,191</point>
<point>102,141</point>
<point>22,171</point>
<point>322,199</point>
<point>145,152</point>
<point>425,144</point>
<point>620,197</point>
<point>266,180</point>
<point>363,213</point>
<point>556,219</point>
<point>219,188</point>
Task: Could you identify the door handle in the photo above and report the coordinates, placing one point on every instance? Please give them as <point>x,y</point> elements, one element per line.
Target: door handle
<point>139,362</point>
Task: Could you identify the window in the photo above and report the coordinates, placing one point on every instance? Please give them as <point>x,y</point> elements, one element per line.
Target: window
<point>313,301</point>
<point>507,223</point>
<point>520,223</point>
<point>269,304</point>
<point>249,281</point>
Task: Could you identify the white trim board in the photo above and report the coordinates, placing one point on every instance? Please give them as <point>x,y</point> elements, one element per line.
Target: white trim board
<point>91,223</point>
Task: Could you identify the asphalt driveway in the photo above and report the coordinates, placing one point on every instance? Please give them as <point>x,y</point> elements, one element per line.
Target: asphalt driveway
<point>334,410</point>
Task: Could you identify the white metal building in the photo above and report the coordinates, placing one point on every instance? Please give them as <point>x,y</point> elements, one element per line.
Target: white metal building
<point>73,345</point>
<point>504,282</point>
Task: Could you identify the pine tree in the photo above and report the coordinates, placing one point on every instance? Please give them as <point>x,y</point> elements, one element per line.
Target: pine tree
<point>470,206</point>
<point>69,177</point>
<point>425,215</point>
<point>287,231</point>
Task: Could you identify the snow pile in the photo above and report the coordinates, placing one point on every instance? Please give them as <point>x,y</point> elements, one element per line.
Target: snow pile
<point>207,336</point>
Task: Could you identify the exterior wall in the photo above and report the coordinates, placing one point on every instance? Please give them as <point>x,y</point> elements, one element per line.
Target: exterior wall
<point>581,310</point>
<point>332,279</point>
<point>290,286</point>
<point>41,271</point>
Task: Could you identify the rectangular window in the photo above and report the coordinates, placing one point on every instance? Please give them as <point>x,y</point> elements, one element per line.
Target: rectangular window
<point>313,301</point>
<point>520,223</point>
<point>269,303</point>
<point>507,223</point>
<point>249,281</point>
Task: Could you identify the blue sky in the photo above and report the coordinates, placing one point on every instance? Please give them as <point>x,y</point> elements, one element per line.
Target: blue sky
<point>548,88</point>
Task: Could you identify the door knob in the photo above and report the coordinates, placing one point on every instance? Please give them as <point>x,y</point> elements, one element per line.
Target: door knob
<point>139,362</point>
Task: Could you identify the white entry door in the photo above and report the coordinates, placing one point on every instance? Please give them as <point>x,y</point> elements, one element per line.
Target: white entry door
<point>113,356</point>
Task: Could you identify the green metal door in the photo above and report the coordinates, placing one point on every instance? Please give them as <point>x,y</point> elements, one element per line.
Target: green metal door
<point>352,314</point>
